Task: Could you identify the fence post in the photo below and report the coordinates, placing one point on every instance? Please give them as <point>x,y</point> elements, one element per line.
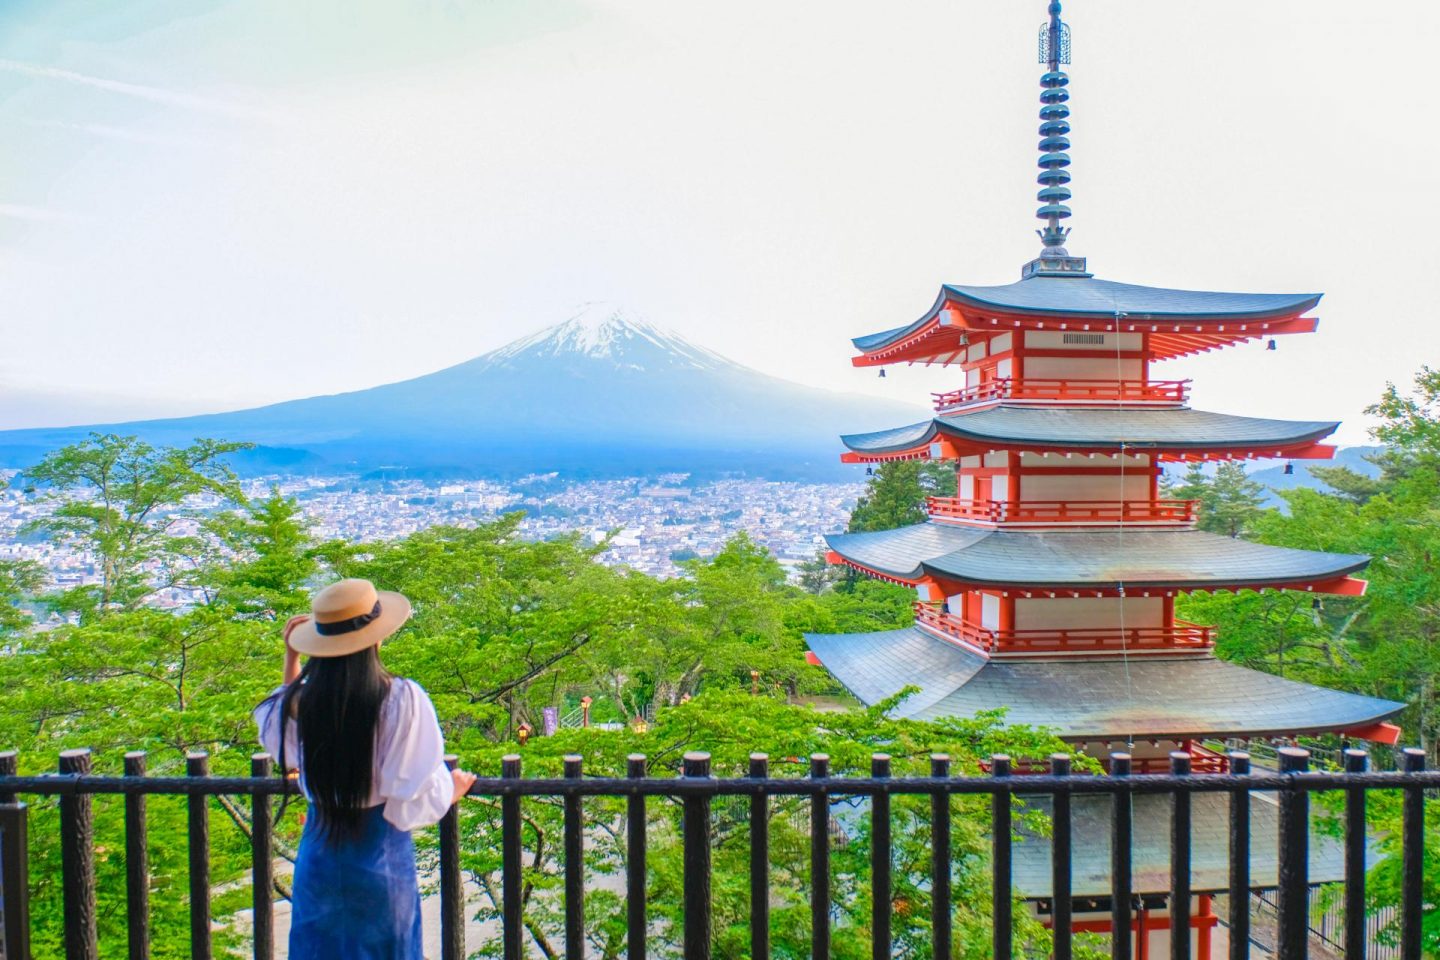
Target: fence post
<point>1294,878</point>
<point>1121,899</point>
<point>819,861</point>
<point>137,863</point>
<point>940,922</point>
<point>1001,895</point>
<point>511,905</point>
<point>262,862</point>
<point>1412,858</point>
<point>77,861</point>
<point>636,872</point>
<point>197,764</point>
<point>1060,906</point>
<point>1356,761</point>
<point>574,839</point>
<point>452,892</point>
<point>759,862</point>
<point>880,854</point>
<point>14,868</point>
<point>1240,860</point>
<point>696,830</point>
<point>1179,861</point>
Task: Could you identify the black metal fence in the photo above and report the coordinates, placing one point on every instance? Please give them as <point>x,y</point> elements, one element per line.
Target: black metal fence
<point>75,785</point>
<point>1327,920</point>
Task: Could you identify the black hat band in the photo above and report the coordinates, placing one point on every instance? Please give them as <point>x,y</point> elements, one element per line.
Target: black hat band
<point>339,627</point>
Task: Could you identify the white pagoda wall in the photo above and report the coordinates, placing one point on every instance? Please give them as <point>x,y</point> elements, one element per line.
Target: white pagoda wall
<point>1105,486</point>
<point>1084,613</point>
<point>1082,368</point>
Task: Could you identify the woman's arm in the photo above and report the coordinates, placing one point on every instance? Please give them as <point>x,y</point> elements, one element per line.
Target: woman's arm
<point>417,786</point>
<point>292,657</point>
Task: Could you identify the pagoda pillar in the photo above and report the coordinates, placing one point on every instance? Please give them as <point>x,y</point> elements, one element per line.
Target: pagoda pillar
<point>1207,920</point>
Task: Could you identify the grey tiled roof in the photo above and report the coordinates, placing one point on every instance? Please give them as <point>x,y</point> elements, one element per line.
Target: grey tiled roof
<point>1150,849</point>
<point>1088,297</point>
<point>1097,699</point>
<point>1080,427</point>
<point>1088,558</point>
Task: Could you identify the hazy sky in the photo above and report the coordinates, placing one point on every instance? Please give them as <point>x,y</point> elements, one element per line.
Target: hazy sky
<point>206,205</point>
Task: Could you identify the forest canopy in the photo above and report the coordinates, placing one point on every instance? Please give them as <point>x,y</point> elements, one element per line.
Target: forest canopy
<point>507,629</point>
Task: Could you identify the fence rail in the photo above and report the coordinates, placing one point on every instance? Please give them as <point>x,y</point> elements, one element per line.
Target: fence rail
<point>75,785</point>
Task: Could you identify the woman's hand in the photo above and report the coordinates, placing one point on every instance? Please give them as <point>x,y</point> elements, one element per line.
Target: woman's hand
<point>464,780</point>
<point>290,626</point>
<point>292,656</point>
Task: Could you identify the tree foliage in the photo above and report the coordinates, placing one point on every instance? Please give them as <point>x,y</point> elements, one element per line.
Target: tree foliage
<point>895,495</point>
<point>1384,644</point>
<point>125,503</point>
<point>1229,502</point>
<point>504,630</point>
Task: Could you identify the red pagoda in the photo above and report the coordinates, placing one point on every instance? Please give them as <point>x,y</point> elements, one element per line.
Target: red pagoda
<point>1047,586</point>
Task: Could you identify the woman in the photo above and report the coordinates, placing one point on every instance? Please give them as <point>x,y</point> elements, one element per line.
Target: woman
<point>371,761</point>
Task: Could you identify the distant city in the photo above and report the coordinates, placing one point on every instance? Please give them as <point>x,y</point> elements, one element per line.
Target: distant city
<point>653,523</point>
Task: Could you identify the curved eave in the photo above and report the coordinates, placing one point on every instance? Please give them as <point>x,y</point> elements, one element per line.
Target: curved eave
<point>960,557</point>
<point>1136,303</point>
<point>1095,700</point>
<point>1175,333</point>
<point>1177,431</point>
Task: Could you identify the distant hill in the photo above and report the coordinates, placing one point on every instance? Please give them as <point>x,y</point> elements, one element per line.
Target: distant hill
<point>1275,478</point>
<point>601,394</point>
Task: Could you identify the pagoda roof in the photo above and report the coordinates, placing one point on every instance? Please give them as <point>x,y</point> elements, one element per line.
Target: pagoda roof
<point>1106,558</point>
<point>1024,425</point>
<point>1098,699</point>
<point>1086,297</point>
<point>1092,814</point>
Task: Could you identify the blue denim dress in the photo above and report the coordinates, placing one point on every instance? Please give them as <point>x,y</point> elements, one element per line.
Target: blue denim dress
<point>356,899</point>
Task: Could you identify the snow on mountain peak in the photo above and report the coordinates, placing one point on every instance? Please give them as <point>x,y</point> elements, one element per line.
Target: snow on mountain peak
<point>599,330</point>
<point>604,331</point>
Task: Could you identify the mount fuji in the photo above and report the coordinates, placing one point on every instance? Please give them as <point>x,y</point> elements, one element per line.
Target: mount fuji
<point>602,394</point>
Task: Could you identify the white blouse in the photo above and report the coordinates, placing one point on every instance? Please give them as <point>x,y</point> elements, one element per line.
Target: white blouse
<point>410,776</point>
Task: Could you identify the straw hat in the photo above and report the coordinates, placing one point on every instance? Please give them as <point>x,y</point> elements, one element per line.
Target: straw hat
<point>347,617</point>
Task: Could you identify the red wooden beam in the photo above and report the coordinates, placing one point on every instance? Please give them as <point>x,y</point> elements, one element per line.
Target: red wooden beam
<point>1387,733</point>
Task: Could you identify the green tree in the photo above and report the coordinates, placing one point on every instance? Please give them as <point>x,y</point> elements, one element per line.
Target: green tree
<point>895,494</point>
<point>818,575</point>
<point>265,558</point>
<point>126,503</point>
<point>1230,502</point>
<point>19,580</point>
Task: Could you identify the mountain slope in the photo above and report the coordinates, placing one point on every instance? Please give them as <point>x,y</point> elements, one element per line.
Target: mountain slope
<point>600,394</point>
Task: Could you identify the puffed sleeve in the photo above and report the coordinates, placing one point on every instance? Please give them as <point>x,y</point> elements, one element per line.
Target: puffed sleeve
<point>414,782</point>
<point>267,719</point>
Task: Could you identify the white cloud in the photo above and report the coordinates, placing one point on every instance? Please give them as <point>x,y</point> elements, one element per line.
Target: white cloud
<point>18,211</point>
<point>157,95</point>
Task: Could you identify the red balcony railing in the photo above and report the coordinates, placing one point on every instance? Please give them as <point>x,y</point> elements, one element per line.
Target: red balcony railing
<point>1062,511</point>
<point>1182,636</point>
<point>1081,391</point>
<point>1202,760</point>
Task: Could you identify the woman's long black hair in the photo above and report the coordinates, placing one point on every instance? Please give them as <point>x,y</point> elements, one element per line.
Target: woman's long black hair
<point>336,706</point>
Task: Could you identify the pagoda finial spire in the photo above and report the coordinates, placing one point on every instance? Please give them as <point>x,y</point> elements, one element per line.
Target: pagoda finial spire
<point>1054,259</point>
